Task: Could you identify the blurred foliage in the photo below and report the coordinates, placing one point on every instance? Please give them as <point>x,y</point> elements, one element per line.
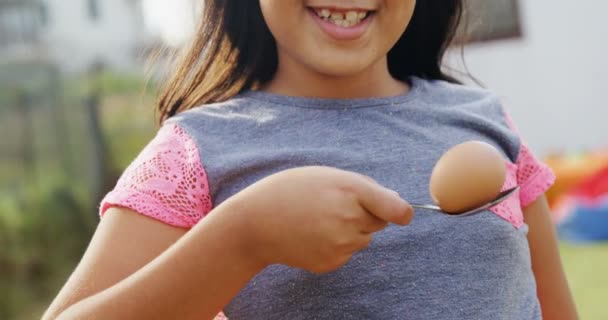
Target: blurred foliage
<point>30,75</point>
<point>129,122</point>
<point>44,229</point>
<point>48,211</point>
<point>107,81</point>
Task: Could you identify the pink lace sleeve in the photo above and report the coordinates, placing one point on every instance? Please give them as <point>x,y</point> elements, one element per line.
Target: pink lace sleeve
<point>166,181</point>
<point>533,176</point>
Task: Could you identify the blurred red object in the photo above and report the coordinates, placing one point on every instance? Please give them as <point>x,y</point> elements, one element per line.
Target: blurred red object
<point>589,197</point>
<point>571,171</point>
<point>592,188</point>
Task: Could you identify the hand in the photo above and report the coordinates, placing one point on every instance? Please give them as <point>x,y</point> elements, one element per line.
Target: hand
<point>314,218</point>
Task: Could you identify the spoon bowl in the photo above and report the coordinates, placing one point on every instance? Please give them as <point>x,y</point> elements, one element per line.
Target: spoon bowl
<point>502,196</point>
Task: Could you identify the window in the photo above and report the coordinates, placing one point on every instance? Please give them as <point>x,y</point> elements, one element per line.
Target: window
<point>19,23</point>
<point>491,20</point>
<point>44,14</point>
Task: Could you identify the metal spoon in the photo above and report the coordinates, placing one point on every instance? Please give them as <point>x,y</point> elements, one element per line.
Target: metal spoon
<point>500,198</point>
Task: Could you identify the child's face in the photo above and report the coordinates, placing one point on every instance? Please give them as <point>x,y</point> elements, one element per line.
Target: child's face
<point>342,44</point>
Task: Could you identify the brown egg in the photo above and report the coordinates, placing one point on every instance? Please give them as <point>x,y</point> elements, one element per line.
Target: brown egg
<point>467,176</point>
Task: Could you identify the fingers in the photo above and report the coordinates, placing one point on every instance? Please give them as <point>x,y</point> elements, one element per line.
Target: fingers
<point>384,203</point>
<point>362,242</point>
<point>368,178</point>
<point>371,224</point>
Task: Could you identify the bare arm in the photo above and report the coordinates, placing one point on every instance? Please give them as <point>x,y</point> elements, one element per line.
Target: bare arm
<point>108,285</point>
<point>128,272</point>
<point>552,287</point>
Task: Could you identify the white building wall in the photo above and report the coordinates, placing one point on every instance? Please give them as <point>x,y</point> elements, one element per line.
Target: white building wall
<point>75,40</point>
<point>555,80</point>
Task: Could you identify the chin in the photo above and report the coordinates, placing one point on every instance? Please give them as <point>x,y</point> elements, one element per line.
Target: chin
<point>340,68</point>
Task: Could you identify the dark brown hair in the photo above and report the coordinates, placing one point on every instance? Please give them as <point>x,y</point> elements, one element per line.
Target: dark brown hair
<point>234,51</point>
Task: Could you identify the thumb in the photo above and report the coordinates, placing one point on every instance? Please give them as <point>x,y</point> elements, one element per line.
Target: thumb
<point>384,203</point>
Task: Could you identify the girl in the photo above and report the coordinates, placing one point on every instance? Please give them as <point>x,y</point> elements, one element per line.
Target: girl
<point>289,131</point>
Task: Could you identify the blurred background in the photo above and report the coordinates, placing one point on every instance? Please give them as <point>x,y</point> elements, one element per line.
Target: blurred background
<point>77,90</point>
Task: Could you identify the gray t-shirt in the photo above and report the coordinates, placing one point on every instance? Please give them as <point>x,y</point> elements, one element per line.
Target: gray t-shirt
<point>439,267</point>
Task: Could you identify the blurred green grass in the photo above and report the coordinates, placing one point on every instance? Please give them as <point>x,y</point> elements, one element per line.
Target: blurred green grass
<point>587,271</point>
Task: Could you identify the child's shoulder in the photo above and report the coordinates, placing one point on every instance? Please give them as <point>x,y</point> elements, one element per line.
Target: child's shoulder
<point>235,111</point>
<point>233,105</point>
<point>441,91</point>
<point>458,98</point>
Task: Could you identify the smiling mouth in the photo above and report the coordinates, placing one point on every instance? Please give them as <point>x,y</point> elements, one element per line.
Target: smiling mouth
<point>345,18</point>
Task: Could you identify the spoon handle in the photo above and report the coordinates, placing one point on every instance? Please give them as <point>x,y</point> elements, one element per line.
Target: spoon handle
<point>500,198</point>
<point>425,206</point>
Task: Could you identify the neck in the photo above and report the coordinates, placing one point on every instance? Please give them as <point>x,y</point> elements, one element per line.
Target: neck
<point>295,79</point>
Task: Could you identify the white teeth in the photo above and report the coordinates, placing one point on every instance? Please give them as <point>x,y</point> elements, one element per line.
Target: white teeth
<point>352,16</point>
<point>348,19</point>
<point>337,16</point>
